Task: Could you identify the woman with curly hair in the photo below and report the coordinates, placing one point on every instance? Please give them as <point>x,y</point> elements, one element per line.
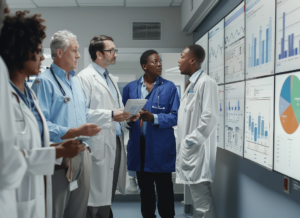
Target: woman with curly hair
<point>21,49</point>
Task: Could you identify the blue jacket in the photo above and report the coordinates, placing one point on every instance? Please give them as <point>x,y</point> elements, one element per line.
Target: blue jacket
<point>160,151</point>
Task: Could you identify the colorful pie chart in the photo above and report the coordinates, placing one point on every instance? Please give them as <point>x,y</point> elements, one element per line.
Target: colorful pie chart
<point>289,104</point>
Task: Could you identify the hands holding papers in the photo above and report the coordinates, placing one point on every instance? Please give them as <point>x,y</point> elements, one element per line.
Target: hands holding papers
<point>146,116</point>
<point>134,106</point>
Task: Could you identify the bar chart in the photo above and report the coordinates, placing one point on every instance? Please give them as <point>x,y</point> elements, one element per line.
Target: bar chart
<point>220,126</point>
<point>216,52</point>
<point>235,45</point>
<point>288,36</point>
<point>234,117</point>
<point>260,37</point>
<point>203,41</point>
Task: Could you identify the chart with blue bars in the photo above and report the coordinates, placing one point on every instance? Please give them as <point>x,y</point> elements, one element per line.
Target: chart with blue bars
<point>259,122</point>
<point>260,37</point>
<point>288,36</point>
<point>220,125</point>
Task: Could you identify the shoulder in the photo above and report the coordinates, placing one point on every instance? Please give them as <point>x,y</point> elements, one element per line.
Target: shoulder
<point>86,73</point>
<point>44,78</point>
<point>132,84</point>
<point>168,83</point>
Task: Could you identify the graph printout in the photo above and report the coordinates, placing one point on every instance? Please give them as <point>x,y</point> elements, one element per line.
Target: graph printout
<point>287,119</point>
<point>235,45</point>
<point>204,43</point>
<point>221,124</point>
<point>234,117</point>
<point>216,52</point>
<point>260,37</point>
<point>288,36</point>
<point>258,145</point>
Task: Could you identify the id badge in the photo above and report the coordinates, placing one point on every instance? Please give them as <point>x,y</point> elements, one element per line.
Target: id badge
<point>73,185</point>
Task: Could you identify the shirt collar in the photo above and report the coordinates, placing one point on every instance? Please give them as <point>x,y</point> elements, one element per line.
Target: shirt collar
<point>156,82</point>
<point>195,75</point>
<point>98,68</point>
<point>60,72</point>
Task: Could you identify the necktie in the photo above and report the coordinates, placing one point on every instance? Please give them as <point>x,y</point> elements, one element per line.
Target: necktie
<point>106,75</point>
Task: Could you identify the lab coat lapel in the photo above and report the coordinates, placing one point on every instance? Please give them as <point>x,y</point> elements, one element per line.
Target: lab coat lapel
<point>113,79</point>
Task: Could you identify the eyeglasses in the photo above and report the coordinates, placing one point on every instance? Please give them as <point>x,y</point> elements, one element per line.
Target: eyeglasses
<point>112,51</point>
<point>42,52</point>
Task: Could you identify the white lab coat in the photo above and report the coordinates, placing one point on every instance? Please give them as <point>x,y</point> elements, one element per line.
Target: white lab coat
<point>12,161</point>
<point>197,121</point>
<point>40,161</point>
<point>101,103</point>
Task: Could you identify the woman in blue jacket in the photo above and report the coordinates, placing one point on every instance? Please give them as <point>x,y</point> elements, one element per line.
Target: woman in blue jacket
<point>152,147</point>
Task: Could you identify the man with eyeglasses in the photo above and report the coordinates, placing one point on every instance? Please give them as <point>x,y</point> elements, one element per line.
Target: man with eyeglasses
<point>108,153</point>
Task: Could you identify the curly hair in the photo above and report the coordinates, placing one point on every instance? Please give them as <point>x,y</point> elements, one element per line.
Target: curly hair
<point>20,38</point>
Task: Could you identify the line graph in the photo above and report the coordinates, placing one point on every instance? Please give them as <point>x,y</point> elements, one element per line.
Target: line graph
<point>240,33</point>
<point>216,53</point>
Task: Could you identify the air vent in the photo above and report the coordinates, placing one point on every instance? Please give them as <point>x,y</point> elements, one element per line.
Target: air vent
<point>146,31</point>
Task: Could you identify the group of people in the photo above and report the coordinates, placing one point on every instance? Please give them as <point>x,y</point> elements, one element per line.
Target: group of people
<point>62,141</point>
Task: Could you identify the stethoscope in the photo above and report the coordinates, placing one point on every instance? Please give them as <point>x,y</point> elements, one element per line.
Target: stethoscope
<point>137,95</point>
<point>67,99</point>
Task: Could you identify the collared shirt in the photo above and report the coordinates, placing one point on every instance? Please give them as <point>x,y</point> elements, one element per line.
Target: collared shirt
<point>113,91</point>
<point>28,100</point>
<point>144,94</point>
<point>60,116</point>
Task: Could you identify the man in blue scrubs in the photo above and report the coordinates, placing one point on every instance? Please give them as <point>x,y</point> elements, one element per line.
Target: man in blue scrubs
<point>151,147</point>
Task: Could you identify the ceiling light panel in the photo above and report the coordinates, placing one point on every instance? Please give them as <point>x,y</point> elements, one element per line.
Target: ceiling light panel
<point>88,3</point>
<point>20,4</point>
<point>55,3</point>
<point>148,3</point>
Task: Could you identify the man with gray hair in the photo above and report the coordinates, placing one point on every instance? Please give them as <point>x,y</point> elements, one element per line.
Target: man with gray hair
<point>62,101</point>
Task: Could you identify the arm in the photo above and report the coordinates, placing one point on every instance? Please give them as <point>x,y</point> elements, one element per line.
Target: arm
<point>12,162</point>
<point>170,119</point>
<point>209,117</point>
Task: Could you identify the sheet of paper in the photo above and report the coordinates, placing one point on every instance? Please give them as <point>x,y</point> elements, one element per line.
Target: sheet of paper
<point>133,106</point>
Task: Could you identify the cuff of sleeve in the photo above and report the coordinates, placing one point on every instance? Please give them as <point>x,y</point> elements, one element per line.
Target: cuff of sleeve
<point>190,144</point>
<point>63,131</point>
<point>86,144</point>
<point>156,121</point>
<point>58,161</point>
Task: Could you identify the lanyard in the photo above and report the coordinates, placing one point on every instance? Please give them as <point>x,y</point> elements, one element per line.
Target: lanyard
<point>67,99</point>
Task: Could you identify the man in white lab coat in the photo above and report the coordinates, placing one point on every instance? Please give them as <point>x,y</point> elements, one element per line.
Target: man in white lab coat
<point>196,134</point>
<point>12,162</point>
<point>108,152</point>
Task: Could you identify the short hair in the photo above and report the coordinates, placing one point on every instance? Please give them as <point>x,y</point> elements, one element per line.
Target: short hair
<point>97,44</point>
<point>20,37</point>
<point>198,52</point>
<point>146,55</point>
<point>60,40</point>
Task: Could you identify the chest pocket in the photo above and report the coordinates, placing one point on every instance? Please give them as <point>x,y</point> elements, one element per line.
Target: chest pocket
<point>190,102</point>
<point>159,105</point>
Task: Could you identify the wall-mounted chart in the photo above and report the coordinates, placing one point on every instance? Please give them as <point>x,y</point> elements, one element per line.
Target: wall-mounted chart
<point>235,45</point>
<point>258,145</point>
<point>287,120</point>
<point>204,43</point>
<point>216,52</point>
<point>221,124</point>
<point>260,37</point>
<point>288,36</point>
<point>234,117</point>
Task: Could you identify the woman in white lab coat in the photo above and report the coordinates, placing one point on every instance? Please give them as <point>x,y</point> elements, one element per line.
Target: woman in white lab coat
<point>20,47</point>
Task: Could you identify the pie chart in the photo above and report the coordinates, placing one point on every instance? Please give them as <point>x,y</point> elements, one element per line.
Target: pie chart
<point>289,104</point>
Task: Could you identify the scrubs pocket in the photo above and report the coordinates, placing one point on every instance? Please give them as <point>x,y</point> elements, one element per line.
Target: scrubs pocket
<point>27,209</point>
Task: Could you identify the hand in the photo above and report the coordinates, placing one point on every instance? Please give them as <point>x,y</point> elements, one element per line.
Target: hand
<point>135,117</point>
<point>69,149</point>
<point>146,116</point>
<point>88,148</point>
<point>119,115</point>
<point>88,129</point>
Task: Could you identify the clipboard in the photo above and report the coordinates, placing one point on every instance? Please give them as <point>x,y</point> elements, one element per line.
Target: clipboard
<point>134,106</point>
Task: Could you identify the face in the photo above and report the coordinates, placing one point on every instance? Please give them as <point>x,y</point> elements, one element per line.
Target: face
<point>185,62</point>
<point>109,57</point>
<point>71,55</point>
<point>153,65</point>
<point>33,66</point>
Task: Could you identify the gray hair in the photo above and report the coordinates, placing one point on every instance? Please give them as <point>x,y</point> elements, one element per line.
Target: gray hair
<point>60,40</point>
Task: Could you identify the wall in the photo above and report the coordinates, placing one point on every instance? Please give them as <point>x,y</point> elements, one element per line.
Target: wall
<point>243,189</point>
<point>86,22</point>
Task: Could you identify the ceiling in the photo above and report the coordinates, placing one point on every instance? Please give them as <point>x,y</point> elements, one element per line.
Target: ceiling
<point>89,3</point>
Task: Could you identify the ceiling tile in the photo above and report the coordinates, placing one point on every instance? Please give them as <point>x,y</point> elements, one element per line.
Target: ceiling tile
<point>84,3</point>
<point>148,3</point>
<point>20,4</point>
<point>55,3</point>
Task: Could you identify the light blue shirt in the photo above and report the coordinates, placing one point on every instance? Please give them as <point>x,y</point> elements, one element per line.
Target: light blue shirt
<point>144,93</point>
<point>60,116</point>
<point>113,91</point>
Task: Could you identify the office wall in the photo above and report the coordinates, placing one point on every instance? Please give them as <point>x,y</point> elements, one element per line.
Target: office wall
<point>86,22</point>
<point>243,189</point>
